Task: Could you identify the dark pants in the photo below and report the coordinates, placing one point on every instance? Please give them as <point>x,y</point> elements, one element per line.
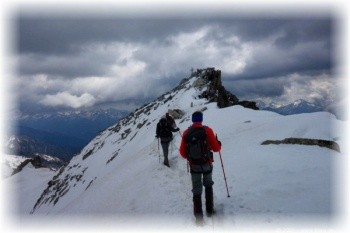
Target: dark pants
<point>199,180</point>
<point>165,147</point>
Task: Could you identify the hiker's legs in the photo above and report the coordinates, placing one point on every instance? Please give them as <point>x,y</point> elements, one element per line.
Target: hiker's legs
<point>197,195</point>
<point>197,184</point>
<point>165,146</point>
<point>209,197</point>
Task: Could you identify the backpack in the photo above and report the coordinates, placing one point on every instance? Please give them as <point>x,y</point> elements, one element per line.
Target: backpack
<point>164,128</point>
<point>171,121</point>
<point>197,147</point>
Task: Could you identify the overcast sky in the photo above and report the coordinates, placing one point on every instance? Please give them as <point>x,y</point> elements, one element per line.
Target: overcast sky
<point>89,60</point>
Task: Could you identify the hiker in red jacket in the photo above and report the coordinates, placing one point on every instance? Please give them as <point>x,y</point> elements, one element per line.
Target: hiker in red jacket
<point>197,144</point>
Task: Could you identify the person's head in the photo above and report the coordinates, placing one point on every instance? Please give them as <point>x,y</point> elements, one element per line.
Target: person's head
<point>197,117</point>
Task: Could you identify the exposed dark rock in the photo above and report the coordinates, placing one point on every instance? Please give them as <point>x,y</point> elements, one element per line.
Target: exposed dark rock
<point>113,157</point>
<point>200,82</point>
<point>305,141</point>
<point>88,154</point>
<point>88,186</point>
<point>126,133</point>
<point>168,99</point>
<point>133,137</point>
<point>39,161</point>
<point>216,92</point>
<point>116,128</point>
<point>248,104</point>
<point>21,166</point>
<point>176,113</point>
<point>139,125</point>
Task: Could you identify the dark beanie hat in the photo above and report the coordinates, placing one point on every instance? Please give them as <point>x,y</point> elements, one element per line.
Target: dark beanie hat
<point>197,117</point>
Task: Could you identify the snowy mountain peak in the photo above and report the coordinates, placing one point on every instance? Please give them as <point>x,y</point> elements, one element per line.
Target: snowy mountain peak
<point>132,135</point>
<point>302,102</point>
<point>120,171</point>
<point>296,107</point>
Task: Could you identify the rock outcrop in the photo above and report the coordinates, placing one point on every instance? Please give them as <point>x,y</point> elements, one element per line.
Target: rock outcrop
<point>41,161</point>
<point>216,92</point>
<point>176,113</point>
<point>305,141</point>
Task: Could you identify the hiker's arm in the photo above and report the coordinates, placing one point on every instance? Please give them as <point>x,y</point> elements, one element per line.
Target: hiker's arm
<point>213,143</point>
<point>157,131</point>
<point>182,148</point>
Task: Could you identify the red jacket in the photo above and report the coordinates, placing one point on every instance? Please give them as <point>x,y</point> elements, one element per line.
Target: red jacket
<point>211,139</point>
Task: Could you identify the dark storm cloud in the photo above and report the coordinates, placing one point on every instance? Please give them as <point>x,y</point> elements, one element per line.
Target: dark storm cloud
<point>301,46</point>
<point>58,35</point>
<point>311,30</point>
<point>64,37</point>
<point>87,61</point>
<point>270,87</point>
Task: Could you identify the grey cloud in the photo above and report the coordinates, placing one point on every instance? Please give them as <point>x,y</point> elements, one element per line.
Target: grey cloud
<point>248,89</point>
<point>65,49</point>
<point>59,35</point>
<point>62,66</point>
<point>274,62</point>
<point>299,31</point>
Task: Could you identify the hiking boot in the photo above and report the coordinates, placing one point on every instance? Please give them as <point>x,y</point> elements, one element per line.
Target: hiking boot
<point>209,200</point>
<point>199,221</point>
<point>197,208</point>
<point>166,163</point>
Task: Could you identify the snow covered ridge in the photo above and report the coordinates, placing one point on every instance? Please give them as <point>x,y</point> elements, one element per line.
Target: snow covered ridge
<point>305,141</point>
<point>41,161</point>
<point>113,141</point>
<point>118,171</point>
<point>12,164</point>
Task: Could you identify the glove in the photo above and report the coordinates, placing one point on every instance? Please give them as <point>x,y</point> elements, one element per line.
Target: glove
<point>218,140</point>
<point>177,129</point>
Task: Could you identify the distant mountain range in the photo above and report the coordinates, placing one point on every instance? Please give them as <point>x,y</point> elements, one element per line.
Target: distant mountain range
<point>64,134</point>
<point>28,141</point>
<point>60,134</point>
<point>81,124</point>
<point>296,107</point>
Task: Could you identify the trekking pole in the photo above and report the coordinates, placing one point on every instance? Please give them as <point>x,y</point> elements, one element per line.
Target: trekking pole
<point>158,152</point>
<point>223,170</point>
<point>171,147</point>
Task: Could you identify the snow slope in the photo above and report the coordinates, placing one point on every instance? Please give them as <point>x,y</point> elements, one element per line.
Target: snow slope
<point>118,179</point>
<point>25,188</point>
<point>9,163</point>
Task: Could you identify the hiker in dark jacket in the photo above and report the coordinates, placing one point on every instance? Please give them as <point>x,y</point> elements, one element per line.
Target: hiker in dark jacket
<point>202,167</point>
<point>164,133</point>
